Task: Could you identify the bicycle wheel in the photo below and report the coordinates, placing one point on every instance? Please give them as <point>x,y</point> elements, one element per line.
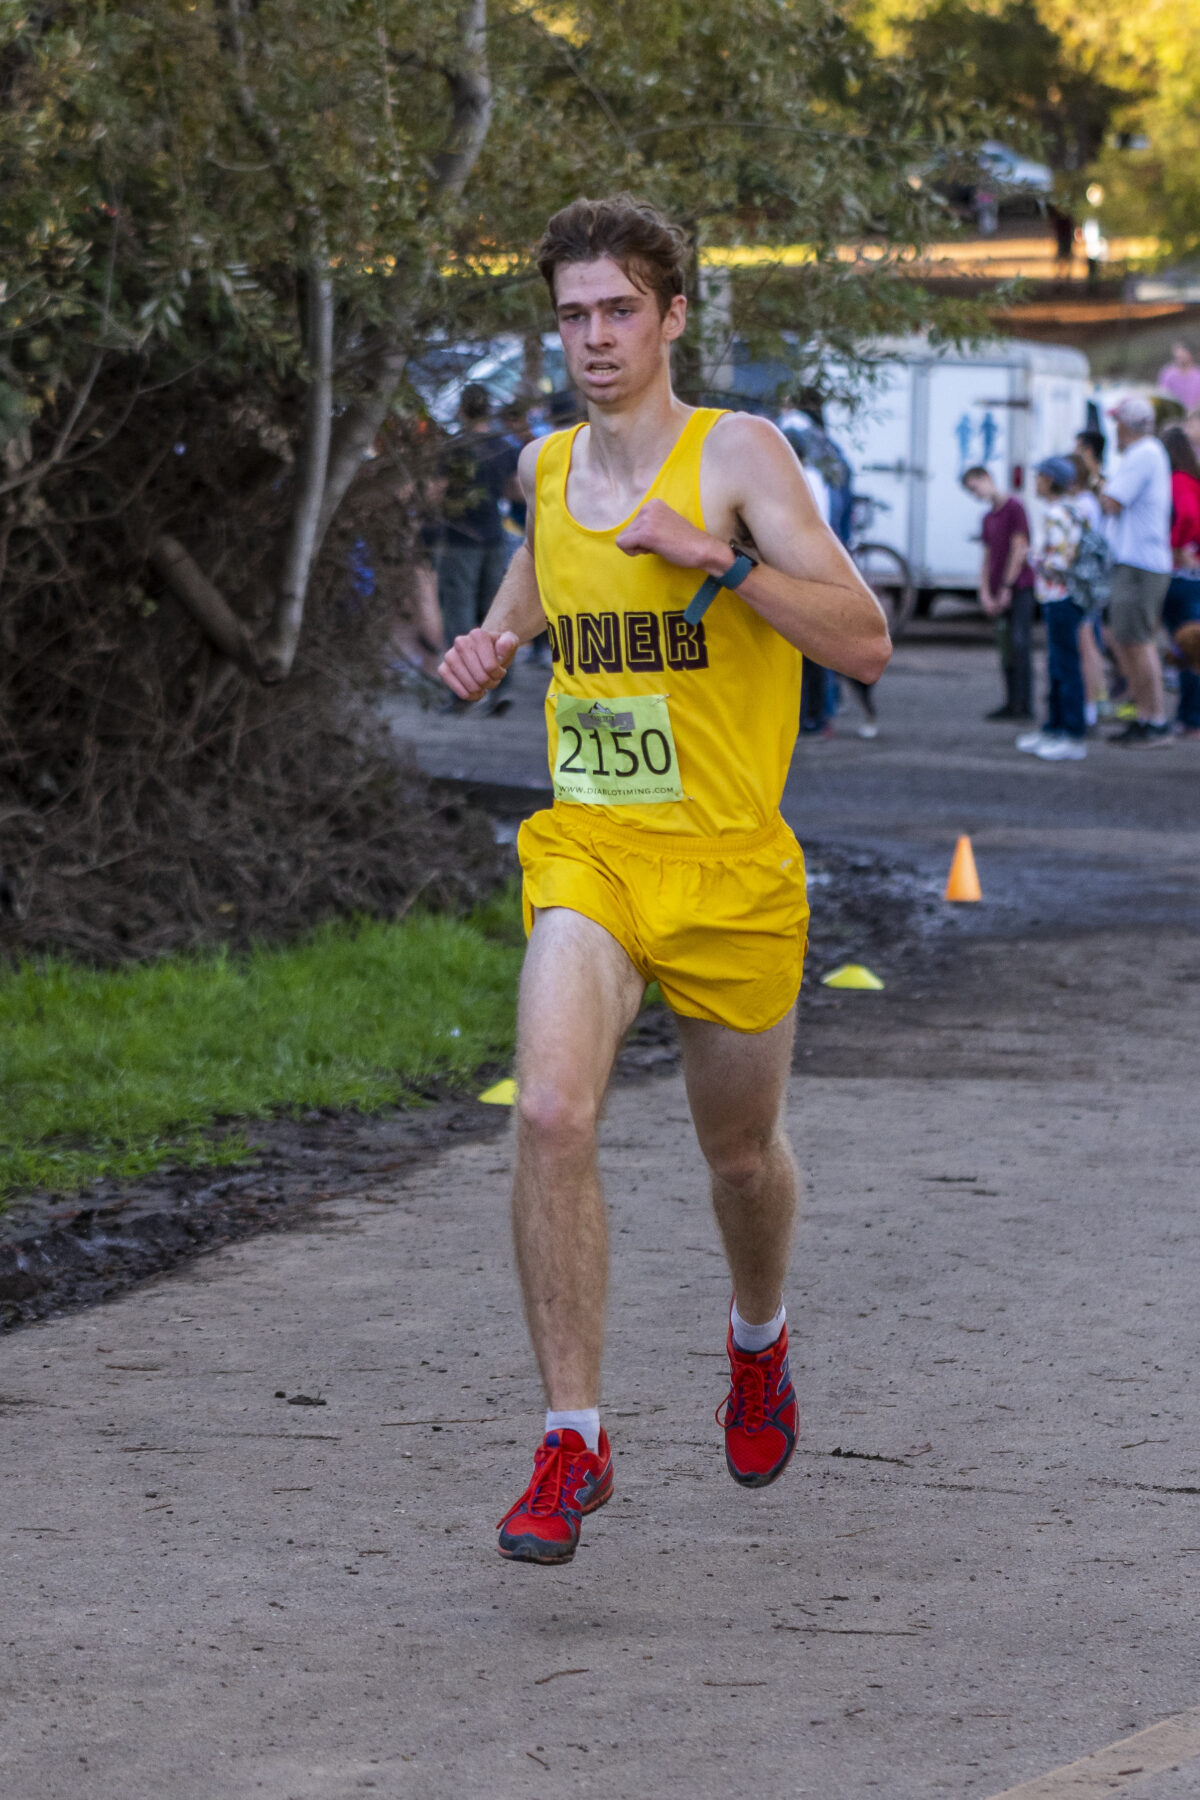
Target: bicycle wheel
<point>890,579</point>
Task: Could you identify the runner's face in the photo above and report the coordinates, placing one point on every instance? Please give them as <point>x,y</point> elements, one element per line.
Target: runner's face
<point>614,338</point>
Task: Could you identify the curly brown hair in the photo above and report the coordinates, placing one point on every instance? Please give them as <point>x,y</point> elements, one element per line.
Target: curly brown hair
<point>642,241</point>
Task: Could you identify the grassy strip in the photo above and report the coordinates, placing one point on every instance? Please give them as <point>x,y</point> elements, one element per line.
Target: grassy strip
<point>116,1072</point>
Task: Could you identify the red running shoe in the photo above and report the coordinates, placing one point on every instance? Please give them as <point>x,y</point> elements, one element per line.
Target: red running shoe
<point>568,1481</point>
<point>762,1415</point>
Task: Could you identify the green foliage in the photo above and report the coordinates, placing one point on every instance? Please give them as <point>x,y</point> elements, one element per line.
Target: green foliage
<point>116,1072</point>
<point>161,167</point>
<point>167,165</point>
<point>1106,92</point>
<point>182,180</point>
<point>1150,166</point>
<point>1040,90</point>
<point>757,122</point>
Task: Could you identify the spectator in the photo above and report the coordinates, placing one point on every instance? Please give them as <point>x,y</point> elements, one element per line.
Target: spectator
<point>1063,226</point>
<point>1137,506</point>
<point>818,691</point>
<point>478,470</point>
<point>416,635</point>
<point>803,425</point>
<point>1181,377</point>
<point>1090,448</point>
<point>1191,425</point>
<point>1084,494</point>
<point>515,418</point>
<point>1006,592</point>
<point>830,480</point>
<point>1182,605</point>
<point>987,212</point>
<point>1085,504</point>
<point>514,425</point>
<point>1061,739</point>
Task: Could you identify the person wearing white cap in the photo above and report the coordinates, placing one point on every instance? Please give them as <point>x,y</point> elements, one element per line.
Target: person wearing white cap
<point>1137,504</point>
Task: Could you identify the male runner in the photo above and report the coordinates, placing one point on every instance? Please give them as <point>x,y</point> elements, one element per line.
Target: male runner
<point>664,856</point>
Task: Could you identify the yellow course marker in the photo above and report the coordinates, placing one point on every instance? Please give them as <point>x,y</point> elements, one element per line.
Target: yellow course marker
<point>504,1093</point>
<point>1126,1764</point>
<point>853,975</point>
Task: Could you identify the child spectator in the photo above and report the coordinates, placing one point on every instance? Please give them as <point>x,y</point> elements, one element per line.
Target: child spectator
<point>1061,739</point>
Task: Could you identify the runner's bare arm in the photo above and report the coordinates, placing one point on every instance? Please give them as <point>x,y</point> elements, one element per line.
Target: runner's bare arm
<point>806,586</point>
<point>476,662</point>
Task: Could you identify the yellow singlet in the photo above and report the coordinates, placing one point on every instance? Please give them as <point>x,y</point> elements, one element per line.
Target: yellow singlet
<point>669,748</point>
<point>731,684</point>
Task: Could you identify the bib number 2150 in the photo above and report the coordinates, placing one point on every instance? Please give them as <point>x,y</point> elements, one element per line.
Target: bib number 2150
<point>615,752</point>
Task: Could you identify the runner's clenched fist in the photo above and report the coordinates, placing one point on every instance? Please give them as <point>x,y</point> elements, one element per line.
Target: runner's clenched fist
<point>476,663</point>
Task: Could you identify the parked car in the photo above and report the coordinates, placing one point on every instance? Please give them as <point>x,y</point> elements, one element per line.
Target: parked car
<point>498,364</point>
<point>1012,174</point>
<point>992,174</point>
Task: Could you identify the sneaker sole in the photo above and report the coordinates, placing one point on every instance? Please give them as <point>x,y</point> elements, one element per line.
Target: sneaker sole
<point>537,1550</point>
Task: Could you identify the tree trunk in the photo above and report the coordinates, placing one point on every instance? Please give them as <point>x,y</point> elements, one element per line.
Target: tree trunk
<point>329,461</point>
<point>278,643</point>
<point>471,94</point>
<point>207,604</point>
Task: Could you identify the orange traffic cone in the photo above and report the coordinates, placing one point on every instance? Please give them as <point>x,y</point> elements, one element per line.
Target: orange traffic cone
<point>963,880</point>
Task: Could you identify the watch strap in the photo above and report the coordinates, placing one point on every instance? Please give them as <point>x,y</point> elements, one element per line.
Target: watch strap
<point>708,590</point>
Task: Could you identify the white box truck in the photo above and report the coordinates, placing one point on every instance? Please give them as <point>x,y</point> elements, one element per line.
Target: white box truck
<point>932,413</point>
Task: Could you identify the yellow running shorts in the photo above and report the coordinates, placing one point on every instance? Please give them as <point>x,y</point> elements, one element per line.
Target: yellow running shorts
<point>720,923</point>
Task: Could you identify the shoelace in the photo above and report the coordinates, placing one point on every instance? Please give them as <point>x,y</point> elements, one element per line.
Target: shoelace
<point>746,1402</point>
<point>552,1471</point>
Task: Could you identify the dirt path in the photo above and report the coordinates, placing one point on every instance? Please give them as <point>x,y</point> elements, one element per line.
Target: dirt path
<point>981,1566</point>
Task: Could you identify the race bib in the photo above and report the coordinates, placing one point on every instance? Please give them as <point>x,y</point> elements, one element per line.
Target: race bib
<point>615,752</point>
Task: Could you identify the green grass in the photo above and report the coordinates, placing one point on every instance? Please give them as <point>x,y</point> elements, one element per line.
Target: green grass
<point>116,1072</point>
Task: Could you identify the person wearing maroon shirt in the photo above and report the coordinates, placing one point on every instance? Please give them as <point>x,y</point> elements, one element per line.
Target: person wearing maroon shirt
<point>1182,604</point>
<point>1006,591</point>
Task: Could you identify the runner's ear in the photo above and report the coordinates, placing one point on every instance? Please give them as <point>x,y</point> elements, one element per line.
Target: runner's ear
<point>675,318</point>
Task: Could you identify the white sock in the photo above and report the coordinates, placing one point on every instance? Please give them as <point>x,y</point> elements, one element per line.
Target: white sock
<point>1091,713</point>
<point>753,1338</point>
<point>586,1422</point>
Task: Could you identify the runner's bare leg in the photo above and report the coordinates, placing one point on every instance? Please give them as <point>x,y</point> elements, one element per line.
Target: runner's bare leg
<point>735,1086</point>
<point>579,995</point>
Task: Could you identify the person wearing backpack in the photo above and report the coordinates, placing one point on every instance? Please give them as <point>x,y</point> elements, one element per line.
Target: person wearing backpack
<point>1061,739</point>
<point>1182,604</point>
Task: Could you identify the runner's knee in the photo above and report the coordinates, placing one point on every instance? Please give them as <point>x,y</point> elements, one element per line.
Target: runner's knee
<point>556,1120</point>
<point>739,1160</point>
